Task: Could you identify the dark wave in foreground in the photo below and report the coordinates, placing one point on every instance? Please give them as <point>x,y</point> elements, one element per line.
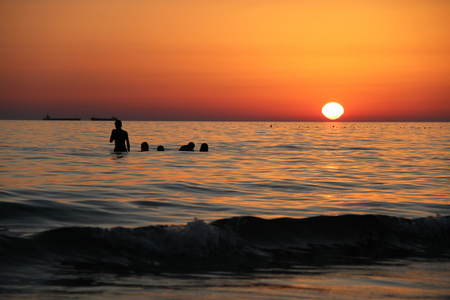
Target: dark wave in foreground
<point>231,244</point>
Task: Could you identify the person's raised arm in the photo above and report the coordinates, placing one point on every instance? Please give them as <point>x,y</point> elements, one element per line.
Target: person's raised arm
<point>113,136</point>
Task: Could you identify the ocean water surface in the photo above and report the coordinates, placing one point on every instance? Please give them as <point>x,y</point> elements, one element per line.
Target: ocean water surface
<point>273,210</point>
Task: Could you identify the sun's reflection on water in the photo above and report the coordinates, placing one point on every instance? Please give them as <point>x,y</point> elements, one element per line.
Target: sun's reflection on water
<point>287,170</point>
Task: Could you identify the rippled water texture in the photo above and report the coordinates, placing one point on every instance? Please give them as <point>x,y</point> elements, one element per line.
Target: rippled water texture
<point>60,173</point>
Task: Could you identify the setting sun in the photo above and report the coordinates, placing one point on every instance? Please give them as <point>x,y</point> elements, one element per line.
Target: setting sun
<point>332,110</point>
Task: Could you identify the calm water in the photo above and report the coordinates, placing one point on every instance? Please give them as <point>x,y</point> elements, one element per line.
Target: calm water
<point>62,174</point>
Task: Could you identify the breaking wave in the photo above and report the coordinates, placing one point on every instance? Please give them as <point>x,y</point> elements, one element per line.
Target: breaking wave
<point>239,242</point>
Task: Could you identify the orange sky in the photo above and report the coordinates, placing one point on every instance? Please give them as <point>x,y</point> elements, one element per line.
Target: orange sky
<point>225,60</point>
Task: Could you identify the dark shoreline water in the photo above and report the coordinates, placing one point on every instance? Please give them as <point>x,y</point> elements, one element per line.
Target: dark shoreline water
<point>233,249</point>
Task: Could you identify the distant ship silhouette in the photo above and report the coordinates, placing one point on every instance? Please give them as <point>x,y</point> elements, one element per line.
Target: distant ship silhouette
<point>47,117</point>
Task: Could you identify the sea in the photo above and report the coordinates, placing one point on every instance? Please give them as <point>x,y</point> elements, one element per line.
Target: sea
<point>274,210</point>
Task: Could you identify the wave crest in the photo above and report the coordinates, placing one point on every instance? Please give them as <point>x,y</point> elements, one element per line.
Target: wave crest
<point>235,242</point>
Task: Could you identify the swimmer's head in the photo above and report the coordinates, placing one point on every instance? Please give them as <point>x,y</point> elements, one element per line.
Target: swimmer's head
<point>144,146</point>
<point>118,124</point>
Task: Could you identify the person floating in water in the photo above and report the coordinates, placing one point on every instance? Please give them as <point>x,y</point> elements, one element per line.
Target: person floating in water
<point>160,148</point>
<point>144,146</point>
<point>188,147</point>
<point>204,147</point>
<point>120,137</point>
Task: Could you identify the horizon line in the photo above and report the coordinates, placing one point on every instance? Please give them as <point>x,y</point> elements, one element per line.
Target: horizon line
<point>281,121</point>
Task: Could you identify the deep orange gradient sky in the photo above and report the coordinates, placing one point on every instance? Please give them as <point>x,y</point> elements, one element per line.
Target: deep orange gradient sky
<point>278,60</point>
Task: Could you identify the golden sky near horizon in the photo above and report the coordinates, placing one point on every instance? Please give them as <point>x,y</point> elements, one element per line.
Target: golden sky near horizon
<point>225,60</point>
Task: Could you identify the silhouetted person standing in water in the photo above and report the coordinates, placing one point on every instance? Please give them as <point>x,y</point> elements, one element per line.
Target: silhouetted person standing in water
<point>120,136</point>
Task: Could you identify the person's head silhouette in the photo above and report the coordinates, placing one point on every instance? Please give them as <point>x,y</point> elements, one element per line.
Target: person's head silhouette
<point>188,147</point>
<point>144,146</point>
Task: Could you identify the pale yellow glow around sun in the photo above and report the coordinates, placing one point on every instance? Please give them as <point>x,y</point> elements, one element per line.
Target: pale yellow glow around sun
<point>332,110</point>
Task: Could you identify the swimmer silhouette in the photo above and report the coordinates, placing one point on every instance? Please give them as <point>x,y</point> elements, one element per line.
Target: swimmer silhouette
<point>160,148</point>
<point>120,137</point>
<point>204,147</point>
<point>188,147</point>
<point>144,146</point>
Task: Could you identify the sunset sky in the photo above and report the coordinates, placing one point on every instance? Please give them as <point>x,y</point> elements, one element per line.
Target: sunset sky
<point>384,60</point>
